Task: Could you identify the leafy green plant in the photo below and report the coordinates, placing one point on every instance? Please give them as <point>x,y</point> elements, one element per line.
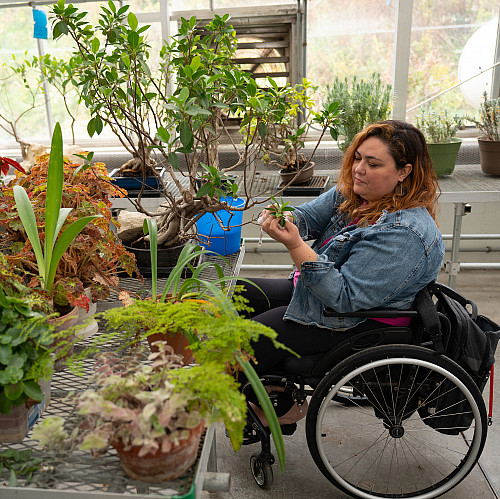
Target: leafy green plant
<point>283,117</point>
<point>25,342</point>
<point>281,210</point>
<point>438,127</point>
<point>360,103</point>
<point>19,463</point>
<point>489,118</point>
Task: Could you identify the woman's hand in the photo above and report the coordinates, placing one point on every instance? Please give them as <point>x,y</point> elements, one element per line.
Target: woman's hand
<point>287,235</point>
<point>290,237</point>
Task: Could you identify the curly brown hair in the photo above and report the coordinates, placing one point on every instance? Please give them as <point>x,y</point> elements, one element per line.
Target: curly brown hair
<point>406,145</point>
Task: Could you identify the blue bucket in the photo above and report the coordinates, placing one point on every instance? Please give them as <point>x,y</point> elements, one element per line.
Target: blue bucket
<point>213,237</point>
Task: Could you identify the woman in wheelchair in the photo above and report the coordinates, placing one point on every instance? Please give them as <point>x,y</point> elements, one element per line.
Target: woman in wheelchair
<point>413,423</point>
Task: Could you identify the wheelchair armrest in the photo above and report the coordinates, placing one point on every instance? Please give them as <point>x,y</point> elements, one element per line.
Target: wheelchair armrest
<point>388,313</point>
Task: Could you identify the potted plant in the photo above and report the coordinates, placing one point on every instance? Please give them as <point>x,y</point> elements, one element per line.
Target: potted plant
<point>287,117</point>
<point>150,410</point>
<point>25,356</point>
<point>489,141</point>
<point>189,123</point>
<point>88,270</point>
<point>440,131</point>
<point>360,103</point>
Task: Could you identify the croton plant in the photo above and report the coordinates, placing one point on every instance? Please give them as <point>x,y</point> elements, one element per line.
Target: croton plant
<point>96,255</point>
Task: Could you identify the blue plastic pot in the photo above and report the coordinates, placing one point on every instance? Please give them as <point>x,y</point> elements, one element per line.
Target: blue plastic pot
<point>213,237</point>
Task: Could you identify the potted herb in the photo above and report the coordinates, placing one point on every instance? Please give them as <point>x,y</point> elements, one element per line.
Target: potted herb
<point>489,142</point>
<point>25,356</point>
<point>440,131</point>
<point>285,119</point>
<point>360,103</point>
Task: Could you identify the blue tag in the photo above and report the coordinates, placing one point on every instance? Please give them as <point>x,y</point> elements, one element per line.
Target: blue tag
<point>40,19</point>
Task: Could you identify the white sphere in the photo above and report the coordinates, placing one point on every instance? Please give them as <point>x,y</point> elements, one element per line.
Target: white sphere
<point>477,55</point>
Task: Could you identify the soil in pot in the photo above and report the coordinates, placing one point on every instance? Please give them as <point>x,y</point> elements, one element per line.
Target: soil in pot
<point>160,467</point>
<point>296,178</point>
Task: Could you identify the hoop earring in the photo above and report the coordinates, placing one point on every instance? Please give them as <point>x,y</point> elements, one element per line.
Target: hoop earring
<point>400,190</point>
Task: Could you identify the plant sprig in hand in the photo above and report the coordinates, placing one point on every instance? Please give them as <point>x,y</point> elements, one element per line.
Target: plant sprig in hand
<point>281,210</point>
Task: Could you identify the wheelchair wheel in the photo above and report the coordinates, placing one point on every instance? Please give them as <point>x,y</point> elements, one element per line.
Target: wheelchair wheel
<point>261,470</point>
<point>391,447</point>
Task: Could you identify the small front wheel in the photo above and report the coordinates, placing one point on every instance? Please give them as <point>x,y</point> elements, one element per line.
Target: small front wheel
<point>261,470</point>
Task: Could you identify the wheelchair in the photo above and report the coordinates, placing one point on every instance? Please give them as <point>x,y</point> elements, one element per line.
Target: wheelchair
<point>372,402</point>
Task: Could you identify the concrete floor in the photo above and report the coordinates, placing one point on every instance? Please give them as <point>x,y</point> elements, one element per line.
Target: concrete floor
<point>302,479</point>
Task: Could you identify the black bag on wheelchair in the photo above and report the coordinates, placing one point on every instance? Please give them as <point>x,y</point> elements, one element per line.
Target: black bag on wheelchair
<point>472,343</point>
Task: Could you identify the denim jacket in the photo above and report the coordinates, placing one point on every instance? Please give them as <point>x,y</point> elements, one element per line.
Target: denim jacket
<point>381,265</point>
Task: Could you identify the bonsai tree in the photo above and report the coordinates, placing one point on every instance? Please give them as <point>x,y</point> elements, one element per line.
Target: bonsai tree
<point>123,91</point>
<point>93,257</point>
<point>361,102</point>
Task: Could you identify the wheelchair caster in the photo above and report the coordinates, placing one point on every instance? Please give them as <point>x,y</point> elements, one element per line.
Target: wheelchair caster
<point>261,470</point>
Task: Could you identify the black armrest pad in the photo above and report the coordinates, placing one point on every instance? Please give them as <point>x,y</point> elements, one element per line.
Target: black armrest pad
<point>374,312</point>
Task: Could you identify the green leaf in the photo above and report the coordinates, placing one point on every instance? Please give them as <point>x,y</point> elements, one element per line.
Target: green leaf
<point>195,63</point>
<point>162,134</point>
<point>150,227</point>
<point>133,39</point>
<point>268,409</point>
<point>174,160</point>
<point>132,21</point>
<point>5,354</point>
<point>66,238</point>
<point>91,127</point>
<point>186,135</point>
<point>14,391</point>
<point>27,216</point>
<point>33,391</point>
<point>184,94</point>
<point>262,129</point>
<point>95,45</point>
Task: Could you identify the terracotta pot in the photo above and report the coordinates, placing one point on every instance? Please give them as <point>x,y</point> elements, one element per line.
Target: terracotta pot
<point>489,152</point>
<point>299,177</point>
<point>177,341</point>
<point>21,418</point>
<point>61,324</point>
<point>159,467</point>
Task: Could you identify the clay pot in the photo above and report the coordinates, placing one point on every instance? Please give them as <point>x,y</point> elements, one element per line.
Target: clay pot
<point>300,177</point>
<point>489,152</point>
<point>159,467</point>
<point>84,317</point>
<point>177,341</point>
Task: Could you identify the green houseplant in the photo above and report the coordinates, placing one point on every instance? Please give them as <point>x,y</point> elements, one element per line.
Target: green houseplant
<point>25,355</point>
<point>440,131</point>
<point>489,142</point>
<point>360,103</point>
<point>138,405</point>
<point>153,415</point>
<point>283,122</point>
<point>113,57</point>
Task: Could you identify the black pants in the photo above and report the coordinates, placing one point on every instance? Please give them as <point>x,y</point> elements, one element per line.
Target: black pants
<point>304,340</point>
